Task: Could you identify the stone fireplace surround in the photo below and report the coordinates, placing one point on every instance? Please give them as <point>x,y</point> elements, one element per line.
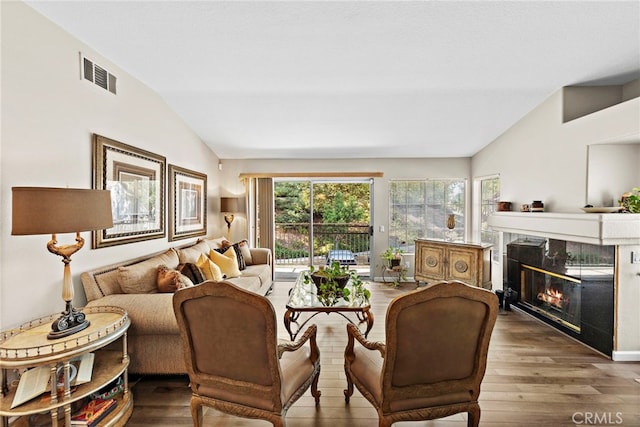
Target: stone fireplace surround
<point>622,231</point>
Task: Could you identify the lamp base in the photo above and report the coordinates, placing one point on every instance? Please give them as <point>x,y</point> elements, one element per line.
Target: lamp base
<point>69,323</point>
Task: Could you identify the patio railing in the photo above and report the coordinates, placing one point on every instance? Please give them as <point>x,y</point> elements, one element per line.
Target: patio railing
<point>292,242</point>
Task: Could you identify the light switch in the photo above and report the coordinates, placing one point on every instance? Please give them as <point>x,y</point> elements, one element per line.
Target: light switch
<point>382,228</point>
<point>635,257</point>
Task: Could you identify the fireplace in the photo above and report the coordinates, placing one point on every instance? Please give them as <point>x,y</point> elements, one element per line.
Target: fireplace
<point>566,284</point>
<point>552,295</point>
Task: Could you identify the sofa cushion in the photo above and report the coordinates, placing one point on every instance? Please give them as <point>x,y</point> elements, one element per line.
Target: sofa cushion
<point>192,271</point>
<point>261,271</point>
<point>249,283</point>
<point>149,314</point>
<point>210,270</point>
<point>141,278</point>
<point>192,253</point>
<point>228,262</point>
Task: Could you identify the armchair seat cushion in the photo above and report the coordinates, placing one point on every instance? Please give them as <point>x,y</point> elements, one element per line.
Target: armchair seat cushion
<point>367,367</point>
<point>296,369</point>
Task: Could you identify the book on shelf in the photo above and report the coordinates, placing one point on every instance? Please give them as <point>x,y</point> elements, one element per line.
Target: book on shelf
<point>36,381</point>
<point>93,412</point>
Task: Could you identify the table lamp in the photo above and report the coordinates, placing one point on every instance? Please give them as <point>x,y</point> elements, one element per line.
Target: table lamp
<point>43,210</point>
<point>230,206</point>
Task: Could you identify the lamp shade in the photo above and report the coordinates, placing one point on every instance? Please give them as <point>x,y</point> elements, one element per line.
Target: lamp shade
<point>232,204</point>
<point>45,210</point>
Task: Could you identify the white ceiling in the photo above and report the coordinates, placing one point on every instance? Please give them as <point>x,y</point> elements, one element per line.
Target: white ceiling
<point>357,79</point>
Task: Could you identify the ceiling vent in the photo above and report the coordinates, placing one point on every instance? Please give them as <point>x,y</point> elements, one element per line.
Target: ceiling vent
<point>98,75</point>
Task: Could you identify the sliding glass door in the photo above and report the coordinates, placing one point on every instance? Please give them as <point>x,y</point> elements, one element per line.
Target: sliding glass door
<point>320,221</point>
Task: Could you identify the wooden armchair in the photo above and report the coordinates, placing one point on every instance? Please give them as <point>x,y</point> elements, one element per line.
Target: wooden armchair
<point>233,359</point>
<point>434,359</point>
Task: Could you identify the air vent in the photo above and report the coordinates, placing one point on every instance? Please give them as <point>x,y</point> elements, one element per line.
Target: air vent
<point>98,75</point>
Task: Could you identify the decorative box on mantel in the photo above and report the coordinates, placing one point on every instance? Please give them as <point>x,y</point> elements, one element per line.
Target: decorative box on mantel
<point>618,231</point>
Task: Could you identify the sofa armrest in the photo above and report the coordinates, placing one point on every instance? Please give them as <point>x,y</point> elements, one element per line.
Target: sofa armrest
<point>261,255</point>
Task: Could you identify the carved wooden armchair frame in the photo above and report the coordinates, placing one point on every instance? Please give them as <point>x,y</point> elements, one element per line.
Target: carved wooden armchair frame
<point>423,374</point>
<point>233,358</point>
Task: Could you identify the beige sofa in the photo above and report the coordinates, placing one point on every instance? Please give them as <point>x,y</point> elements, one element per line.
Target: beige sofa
<point>153,338</point>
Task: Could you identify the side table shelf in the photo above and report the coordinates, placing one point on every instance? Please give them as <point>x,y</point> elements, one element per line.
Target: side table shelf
<point>27,346</point>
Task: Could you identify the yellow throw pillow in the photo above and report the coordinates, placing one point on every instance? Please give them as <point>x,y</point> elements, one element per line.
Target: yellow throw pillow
<point>227,261</point>
<point>210,270</point>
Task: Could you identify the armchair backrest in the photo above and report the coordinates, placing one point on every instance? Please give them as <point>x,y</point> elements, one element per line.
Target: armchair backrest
<point>229,336</point>
<point>437,339</point>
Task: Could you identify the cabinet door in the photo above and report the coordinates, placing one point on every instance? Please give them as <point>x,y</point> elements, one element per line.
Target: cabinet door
<point>463,266</point>
<point>431,262</point>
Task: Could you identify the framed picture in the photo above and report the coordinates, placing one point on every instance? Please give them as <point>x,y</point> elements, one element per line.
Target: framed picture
<point>187,203</point>
<point>136,179</point>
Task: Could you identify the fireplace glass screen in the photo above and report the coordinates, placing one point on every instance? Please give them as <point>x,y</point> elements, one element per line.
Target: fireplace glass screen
<point>551,294</point>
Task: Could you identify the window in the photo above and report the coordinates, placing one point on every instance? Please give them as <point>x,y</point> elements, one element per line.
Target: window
<point>489,197</point>
<point>419,209</point>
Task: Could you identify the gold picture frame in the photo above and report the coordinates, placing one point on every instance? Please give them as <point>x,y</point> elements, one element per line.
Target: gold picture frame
<point>136,179</point>
<point>187,203</point>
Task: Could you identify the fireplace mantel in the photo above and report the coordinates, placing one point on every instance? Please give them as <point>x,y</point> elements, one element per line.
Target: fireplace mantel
<point>596,229</point>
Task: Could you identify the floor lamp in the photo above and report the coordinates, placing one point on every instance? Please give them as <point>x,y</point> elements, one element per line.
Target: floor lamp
<point>42,210</point>
<point>230,206</point>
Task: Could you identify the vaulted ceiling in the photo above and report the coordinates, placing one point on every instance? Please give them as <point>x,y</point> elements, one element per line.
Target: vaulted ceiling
<point>357,79</point>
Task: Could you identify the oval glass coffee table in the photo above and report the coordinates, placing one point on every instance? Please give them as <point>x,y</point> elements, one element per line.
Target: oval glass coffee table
<point>303,298</point>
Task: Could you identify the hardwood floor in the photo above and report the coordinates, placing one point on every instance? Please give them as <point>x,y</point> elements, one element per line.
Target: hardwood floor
<point>536,376</point>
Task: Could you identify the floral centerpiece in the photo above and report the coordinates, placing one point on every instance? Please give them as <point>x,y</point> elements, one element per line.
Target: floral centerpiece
<point>331,283</point>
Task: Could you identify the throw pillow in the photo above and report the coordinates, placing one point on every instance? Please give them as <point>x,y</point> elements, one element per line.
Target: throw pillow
<point>241,263</point>
<point>238,252</point>
<point>184,281</point>
<point>192,253</point>
<point>227,261</point>
<point>170,280</point>
<point>140,278</point>
<point>209,269</point>
<point>246,252</point>
<point>192,271</point>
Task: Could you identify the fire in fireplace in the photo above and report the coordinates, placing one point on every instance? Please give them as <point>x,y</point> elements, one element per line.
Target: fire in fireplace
<point>551,294</point>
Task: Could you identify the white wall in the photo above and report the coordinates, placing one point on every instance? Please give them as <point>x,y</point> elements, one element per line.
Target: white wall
<point>613,170</point>
<point>540,158</point>
<point>48,117</point>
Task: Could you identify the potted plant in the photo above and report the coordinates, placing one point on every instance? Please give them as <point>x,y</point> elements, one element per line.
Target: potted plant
<point>358,294</point>
<point>330,282</point>
<point>631,201</point>
<point>392,257</point>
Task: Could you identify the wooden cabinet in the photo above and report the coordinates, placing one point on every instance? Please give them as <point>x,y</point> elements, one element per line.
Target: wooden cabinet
<point>438,260</point>
<point>28,346</point>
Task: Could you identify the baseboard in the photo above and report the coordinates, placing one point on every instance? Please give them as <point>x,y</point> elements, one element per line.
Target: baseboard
<point>626,356</point>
